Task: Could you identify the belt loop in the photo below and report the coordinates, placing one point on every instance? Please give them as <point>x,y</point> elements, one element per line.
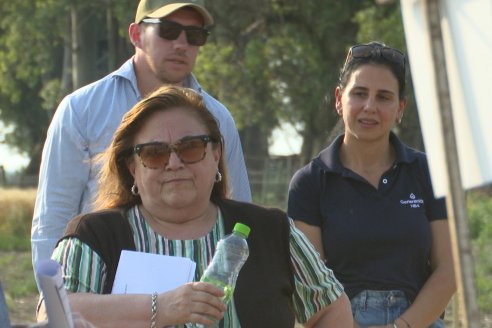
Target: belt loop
<point>363,300</point>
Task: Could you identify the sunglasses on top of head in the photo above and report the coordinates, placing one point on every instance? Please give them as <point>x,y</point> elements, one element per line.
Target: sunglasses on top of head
<point>169,30</point>
<point>373,51</point>
<point>190,150</point>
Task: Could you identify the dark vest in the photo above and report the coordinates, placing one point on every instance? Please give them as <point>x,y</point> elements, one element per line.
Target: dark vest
<point>263,293</point>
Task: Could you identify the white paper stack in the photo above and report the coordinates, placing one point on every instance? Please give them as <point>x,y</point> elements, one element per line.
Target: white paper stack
<point>144,273</point>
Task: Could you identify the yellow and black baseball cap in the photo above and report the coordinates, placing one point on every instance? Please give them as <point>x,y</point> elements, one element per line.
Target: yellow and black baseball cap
<point>162,8</point>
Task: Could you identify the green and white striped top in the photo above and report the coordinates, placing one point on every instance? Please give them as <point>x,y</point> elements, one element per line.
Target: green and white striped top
<point>315,285</point>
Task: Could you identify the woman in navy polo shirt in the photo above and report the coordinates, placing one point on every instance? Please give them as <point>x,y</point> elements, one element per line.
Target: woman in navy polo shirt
<point>366,202</point>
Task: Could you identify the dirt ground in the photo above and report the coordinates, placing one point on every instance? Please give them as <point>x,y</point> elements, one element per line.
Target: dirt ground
<point>24,310</point>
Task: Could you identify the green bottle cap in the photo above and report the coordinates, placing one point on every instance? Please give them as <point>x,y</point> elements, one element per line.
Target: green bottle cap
<point>242,229</point>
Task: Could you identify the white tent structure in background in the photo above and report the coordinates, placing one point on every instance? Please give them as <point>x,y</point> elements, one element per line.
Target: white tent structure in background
<point>450,51</point>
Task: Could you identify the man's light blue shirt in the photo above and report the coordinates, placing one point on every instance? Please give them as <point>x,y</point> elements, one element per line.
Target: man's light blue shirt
<point>83,127</point>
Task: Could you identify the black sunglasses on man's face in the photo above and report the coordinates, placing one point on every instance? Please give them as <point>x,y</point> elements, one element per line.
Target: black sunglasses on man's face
<point>169,30</point>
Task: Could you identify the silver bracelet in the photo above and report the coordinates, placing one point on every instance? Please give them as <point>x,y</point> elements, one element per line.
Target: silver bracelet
<point>395,325</point>
<point>153,323</point>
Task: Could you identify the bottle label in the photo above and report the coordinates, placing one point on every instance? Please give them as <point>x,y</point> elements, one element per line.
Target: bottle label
<point>228,289</point>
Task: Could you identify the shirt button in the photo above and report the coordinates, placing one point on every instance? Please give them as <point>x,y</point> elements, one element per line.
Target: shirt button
<point>385,181</point>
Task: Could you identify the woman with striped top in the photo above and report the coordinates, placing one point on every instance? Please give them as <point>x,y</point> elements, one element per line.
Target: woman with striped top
<point>163,190</point>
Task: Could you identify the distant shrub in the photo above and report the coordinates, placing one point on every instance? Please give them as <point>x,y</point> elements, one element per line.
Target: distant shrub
<point>16,208</point>
<point>479,206</point>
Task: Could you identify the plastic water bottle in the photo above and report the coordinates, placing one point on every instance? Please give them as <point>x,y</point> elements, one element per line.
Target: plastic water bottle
<point>230,255</point>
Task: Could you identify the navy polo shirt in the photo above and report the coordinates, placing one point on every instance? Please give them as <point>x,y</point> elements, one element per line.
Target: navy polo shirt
<point>377,239</point>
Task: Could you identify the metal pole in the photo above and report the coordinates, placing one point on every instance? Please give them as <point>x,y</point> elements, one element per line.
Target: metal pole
<point>456,205</point>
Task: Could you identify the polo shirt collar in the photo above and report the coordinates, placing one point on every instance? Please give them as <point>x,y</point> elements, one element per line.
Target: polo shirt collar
<point>331,155</point>
<point>329,158</point>
<point>404,154</point>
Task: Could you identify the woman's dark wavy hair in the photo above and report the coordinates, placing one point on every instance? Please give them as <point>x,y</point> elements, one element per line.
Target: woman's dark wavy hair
<point>115,180</point>
<point>354,63</point>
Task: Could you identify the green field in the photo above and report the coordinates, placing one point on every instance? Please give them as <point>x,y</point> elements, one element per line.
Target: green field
<point>16,271</point>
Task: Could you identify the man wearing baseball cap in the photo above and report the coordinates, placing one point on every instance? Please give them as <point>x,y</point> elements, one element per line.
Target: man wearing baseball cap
<point>167,36</point>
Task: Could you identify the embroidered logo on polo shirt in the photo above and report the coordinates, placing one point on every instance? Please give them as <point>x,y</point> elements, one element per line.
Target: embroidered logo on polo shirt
<point>412,202</point>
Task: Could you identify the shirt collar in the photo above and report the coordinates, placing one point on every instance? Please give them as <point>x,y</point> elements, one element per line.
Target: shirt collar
<point>192,83</point>
<point>404,154</point>
<point>329,158</point>
<point>127,71</point>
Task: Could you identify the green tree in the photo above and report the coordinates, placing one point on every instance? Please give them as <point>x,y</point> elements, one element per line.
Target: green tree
<point>47,48</point>
<point>273,61</point>
<point>29,50</point>
<point>269,61</point>
<point>278,61</point>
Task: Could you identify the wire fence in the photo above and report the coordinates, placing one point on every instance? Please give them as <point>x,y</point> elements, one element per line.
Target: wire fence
<point>269,179</point>
<point>17,180</point>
